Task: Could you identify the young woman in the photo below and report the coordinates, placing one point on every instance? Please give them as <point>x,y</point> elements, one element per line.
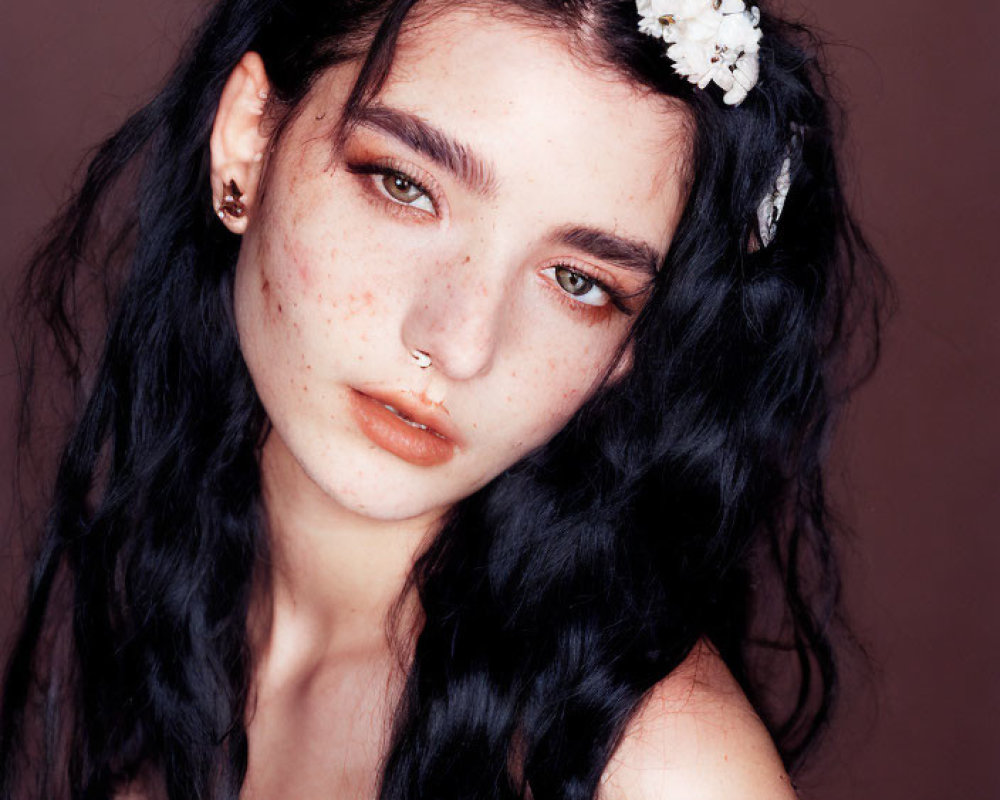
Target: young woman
<point>458,430</point>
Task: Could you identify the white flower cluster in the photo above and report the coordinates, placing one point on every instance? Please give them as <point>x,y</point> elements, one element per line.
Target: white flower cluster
<point>709,40</point>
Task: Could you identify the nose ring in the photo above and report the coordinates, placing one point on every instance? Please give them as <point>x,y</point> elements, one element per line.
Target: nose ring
<point>423,359</point>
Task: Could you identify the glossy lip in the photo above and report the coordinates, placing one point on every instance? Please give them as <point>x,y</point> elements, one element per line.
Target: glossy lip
<point>411,406</point>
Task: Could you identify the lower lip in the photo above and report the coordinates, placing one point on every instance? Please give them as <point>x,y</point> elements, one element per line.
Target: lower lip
<point>378,423</point>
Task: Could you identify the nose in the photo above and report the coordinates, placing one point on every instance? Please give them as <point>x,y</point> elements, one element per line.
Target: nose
<point>456,317</point>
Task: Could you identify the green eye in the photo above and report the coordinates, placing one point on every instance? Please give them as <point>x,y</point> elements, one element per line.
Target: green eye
<point>573,282</point>
<point>583,289</point>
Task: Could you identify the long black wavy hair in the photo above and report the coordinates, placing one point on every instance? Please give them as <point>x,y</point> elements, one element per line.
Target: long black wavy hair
<point>687,500</point>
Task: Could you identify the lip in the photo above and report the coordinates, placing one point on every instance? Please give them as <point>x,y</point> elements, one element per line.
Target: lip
<point>432,415</point>
<point>425,448</point>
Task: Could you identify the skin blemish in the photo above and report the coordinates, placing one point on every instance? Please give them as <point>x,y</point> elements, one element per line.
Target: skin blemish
<point>355,304</point>
<point>268,297</point>
<point>299,257</point>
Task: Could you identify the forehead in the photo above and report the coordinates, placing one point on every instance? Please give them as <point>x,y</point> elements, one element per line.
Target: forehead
<point>562,135</point>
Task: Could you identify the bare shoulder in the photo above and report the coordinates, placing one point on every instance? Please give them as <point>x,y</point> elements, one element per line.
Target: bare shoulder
<point>696,737</point>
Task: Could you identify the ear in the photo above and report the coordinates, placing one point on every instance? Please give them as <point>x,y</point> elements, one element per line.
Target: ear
<point>237,143</point>
<point>622,368</point>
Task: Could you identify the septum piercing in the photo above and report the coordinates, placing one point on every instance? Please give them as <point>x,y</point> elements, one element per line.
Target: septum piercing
<point>423,359</point>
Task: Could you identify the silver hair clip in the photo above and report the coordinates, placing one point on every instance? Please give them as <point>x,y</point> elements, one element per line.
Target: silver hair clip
<point>773,202</point>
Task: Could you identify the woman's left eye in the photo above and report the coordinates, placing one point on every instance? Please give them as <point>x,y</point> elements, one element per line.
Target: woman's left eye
<point>586,290</point>
<point>403,190</point>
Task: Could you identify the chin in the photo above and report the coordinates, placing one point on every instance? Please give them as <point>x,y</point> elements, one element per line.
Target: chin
<point>379,494</point>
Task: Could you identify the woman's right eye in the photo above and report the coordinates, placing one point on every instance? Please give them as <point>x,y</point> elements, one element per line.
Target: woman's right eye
<point>403,190</point>
<point>396,186</point>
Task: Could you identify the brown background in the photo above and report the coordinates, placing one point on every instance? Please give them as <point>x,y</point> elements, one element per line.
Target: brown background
<point>917,467</point>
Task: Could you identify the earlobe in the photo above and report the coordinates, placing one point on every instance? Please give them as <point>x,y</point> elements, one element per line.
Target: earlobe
<point>622,368</point>
<point>237,142</point>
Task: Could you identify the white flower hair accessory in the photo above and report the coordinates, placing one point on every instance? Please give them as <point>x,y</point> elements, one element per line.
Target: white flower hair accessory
<point>709,40</point>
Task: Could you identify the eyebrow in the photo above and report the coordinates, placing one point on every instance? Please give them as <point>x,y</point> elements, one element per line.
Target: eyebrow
<point>627,254</point>
<point>478,175</point>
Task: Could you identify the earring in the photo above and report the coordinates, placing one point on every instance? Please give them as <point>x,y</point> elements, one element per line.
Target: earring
<point>423,359</point>
<point>231,203</point>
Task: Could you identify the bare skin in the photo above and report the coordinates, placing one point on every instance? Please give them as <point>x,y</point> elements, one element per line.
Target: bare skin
<point>341,273</point>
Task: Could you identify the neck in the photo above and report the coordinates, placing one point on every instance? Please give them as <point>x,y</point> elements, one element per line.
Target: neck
<point>332,576</point>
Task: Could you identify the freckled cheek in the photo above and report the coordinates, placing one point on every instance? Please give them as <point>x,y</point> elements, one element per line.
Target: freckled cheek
<point>555,387</point>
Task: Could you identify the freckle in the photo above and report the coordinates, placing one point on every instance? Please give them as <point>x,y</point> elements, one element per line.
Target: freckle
<point>309,366</point>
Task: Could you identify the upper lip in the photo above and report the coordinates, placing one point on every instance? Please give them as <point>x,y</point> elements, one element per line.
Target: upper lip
<point>410,404</point>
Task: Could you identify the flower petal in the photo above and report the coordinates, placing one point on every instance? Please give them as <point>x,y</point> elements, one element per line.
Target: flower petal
<point>746,72</point>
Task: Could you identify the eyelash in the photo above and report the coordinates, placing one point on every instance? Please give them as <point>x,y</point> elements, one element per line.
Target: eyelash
<point>387,169</point>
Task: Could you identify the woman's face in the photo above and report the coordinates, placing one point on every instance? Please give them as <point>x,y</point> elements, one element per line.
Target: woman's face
<point>475,214</point>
